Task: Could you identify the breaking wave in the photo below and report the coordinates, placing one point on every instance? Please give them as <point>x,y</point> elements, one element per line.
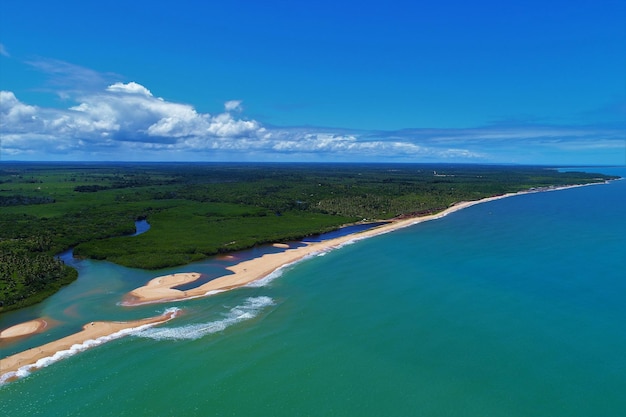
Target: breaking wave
<point>77,348</point>
<point>262,282</point>
<point>246,311</point>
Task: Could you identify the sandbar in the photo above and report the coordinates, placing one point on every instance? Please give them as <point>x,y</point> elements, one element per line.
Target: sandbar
<point>160,289</point>
<point>91,331</point>
<point>280,245</point>
<point>24,329</point>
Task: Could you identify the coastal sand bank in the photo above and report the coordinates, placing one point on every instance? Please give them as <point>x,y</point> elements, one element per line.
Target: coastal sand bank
<point>161,289</point>
<point>30,358</point>
<point>23,329</point>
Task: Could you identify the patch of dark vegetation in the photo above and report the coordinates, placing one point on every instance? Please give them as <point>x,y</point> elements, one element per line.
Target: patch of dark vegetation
<point>90,188</point>
<point>24,200</point>
<point>28,274</point>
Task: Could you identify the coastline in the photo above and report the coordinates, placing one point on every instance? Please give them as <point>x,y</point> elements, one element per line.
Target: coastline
<point>93,334</point>
<point>161,289</point>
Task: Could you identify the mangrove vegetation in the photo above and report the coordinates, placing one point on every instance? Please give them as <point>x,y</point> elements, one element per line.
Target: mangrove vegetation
<point>199,210</point>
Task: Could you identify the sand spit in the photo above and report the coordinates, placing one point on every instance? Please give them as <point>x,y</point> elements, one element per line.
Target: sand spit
<point>24,362</point>
<point>23,329</point>
<point>160,289</point>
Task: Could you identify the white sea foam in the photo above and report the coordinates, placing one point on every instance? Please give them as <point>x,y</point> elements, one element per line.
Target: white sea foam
<point>248,310</point>
<point>268,278</point>
<point>77,348</point>
<point>278,272</point>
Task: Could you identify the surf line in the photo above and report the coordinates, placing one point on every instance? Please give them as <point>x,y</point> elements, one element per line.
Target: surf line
<point>93,334</point>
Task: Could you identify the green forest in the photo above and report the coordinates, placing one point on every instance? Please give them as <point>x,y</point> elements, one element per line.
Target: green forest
<point>201,209</point>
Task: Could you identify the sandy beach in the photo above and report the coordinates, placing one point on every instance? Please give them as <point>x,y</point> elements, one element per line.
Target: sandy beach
<point>24,329</point>
<point>90,332</point>
<point>160,289</point>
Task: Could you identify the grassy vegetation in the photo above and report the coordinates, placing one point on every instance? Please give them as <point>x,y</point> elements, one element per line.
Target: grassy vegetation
<point>197,210</point>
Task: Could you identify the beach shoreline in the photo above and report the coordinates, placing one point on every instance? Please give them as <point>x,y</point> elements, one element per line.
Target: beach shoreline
<point>22,363</point>
<point>255,269</point>
<point>161,289</point>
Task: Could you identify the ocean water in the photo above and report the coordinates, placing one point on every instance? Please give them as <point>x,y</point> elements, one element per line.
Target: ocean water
<point>508,308</point>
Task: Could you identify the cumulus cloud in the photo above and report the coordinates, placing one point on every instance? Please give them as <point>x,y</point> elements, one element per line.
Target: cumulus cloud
<point>127,116</point>
<point>116,117</point>
<point>127,121</point>
<point>14,113</point>
<point>130,88</point>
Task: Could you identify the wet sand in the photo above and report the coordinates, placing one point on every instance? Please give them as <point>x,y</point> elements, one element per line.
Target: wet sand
<point>91,331</point>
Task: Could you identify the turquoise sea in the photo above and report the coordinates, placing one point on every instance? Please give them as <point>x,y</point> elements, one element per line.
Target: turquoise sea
<point>515,307</point>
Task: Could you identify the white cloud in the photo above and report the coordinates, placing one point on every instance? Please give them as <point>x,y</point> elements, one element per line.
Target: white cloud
<point>119,115</point>
<point>12,110</point>
<point>3,51</point>
<point>130,88</point>
<point>233,105</point>
<point>126,121</point>
<point>16,116</point>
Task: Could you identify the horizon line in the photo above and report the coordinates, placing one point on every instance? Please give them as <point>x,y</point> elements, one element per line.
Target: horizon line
<point>19,161</point>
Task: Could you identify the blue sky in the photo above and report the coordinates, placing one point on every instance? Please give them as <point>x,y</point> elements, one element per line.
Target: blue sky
<point>534,82</point>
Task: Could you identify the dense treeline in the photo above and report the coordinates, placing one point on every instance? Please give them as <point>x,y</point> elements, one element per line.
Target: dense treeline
<point>21,200</point>
<point>197,210</point>
<point>28,274</point>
